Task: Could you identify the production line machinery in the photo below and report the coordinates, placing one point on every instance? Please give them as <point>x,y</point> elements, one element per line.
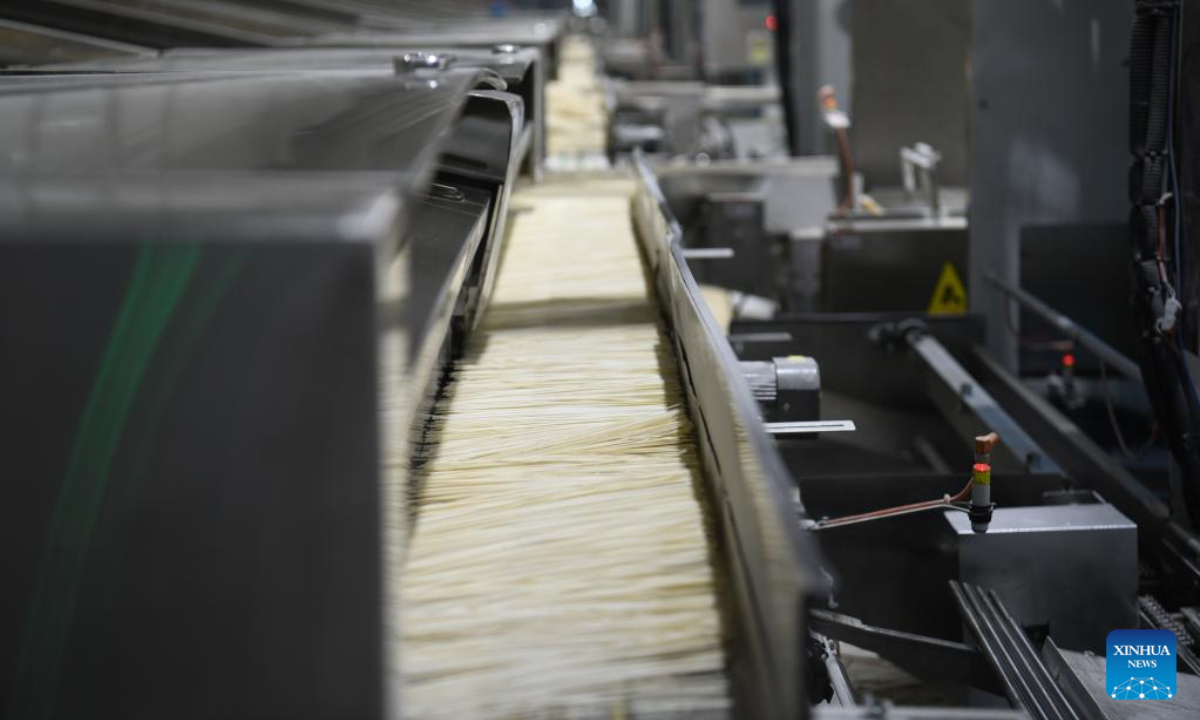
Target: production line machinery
<point>1013,601</point>
<point>247,272</point>
<point>241,281</point>
<point>881,435</point>
<point>163,24</point>
<point>520,71</point>
<point>251,270</point>
<point>178,200</point>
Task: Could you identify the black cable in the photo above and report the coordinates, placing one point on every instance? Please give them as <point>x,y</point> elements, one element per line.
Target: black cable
<point>1116,427</point>
<point>1152,98</point>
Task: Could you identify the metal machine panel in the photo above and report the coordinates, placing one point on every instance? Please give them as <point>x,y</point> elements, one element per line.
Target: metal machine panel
<point>910,85</point>
<point>726,205</point>
<point>319,120</point>
<point>1049,113</point>
<point>150,27</point>
<point>736,221</point>
<point>1071,568</point>
<point>797,194</point>
<point>191,445</point>
<point>521,69</point>
<point>889,265</point>
<point>206,23</point>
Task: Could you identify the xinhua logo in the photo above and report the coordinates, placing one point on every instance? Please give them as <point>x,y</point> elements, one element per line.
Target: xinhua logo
<point>1141,665</point>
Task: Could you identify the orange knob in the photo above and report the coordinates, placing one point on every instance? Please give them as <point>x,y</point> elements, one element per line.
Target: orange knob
<point>985,443</point>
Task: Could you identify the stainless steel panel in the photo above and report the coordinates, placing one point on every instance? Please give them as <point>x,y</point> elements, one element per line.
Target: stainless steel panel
<point>1073,568</point>
<point>1049,113</point>
<point>192,446</point>
<point>521,69</point>
<point>888,265</point>
<point>321,120</point>
<point>143,26</point>
<point>799,194</point>
<point>910,85</point>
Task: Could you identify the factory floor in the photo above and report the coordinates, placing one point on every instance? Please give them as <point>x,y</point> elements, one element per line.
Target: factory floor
<point>873,676</point>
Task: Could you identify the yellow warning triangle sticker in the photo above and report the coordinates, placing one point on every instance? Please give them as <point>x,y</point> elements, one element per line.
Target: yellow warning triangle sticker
<point>949,295</point>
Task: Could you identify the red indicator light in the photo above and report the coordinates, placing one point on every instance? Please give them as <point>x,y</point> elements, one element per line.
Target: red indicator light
<point>1068,361</point>
<point>771,22</point>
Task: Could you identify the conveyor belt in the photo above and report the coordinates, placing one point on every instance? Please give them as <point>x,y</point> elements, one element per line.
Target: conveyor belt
<point>577,119</point>
<point>560,560</point>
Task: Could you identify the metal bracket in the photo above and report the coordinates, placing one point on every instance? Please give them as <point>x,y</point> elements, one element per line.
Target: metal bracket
<point>933,659</point>
<point>810,427</point>
<point>717,253</point>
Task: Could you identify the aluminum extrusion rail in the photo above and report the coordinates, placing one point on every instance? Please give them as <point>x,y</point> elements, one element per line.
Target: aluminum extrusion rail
<point>1027,682</point>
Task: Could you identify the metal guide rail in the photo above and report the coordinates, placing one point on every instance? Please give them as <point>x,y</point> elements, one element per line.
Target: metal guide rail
<point>521,70</point>
<point>773,566</point>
